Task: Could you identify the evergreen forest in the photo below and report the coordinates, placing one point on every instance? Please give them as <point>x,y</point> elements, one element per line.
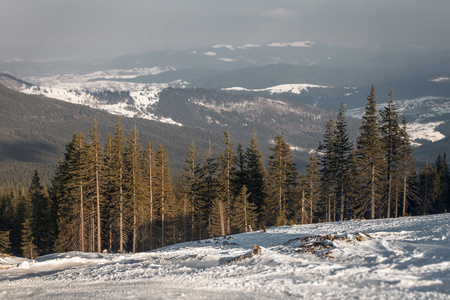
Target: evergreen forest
<point>122,196</point>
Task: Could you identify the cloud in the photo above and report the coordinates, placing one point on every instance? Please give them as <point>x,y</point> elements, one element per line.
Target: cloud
<point>279,13</point>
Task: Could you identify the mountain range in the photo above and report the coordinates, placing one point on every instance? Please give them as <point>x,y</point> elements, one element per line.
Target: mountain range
<point>288,88</point>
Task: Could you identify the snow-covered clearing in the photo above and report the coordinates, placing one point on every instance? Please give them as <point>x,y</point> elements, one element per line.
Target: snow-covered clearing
<point>404,258</point>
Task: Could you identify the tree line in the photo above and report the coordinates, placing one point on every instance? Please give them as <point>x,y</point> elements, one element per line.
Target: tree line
<point>121,196</point>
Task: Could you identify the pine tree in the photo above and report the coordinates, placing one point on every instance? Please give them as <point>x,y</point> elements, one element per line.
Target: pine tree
<point>148,177</point>
<point>225,177</point>
<point>94,163</point>
<point>206,190</point>
<point>68,191</point>
<point>118,166</point>
<point>190,181</point>
<point>255,177</point>
<point>283,183</point>
<point>390,131</point>
<point>134,184</point>
<point>310,190</point>
<point>407,169</point>
<point>371,159</point>
<point>5,242</point>
<point>35,234</point>
<point>328,167</point>
<point>343,148</point>
<point>163,189</point>
<point>244,212</point>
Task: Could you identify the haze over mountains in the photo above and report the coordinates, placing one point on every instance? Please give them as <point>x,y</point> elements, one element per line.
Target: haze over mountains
<point>274,88</point>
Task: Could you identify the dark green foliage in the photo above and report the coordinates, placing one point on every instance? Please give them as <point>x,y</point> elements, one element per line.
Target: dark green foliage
<point>244,212</point>
<point>255,178</point>
<point>5,242</point>
<point>371,160</point>
<point>36,232</point>
<point>281,204</point>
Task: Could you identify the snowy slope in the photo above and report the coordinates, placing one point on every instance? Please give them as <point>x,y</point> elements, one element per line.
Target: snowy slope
<point>296,88</point>
<point>78,89</point>
<point>405,258</point>
<point>424,116</point>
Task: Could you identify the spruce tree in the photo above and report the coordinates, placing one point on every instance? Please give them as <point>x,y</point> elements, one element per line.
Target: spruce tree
<point>406,168</point>
<point>206,190</point>
<point>148,177</point>
<point>244,212</point>
<point>163,190</point>
<point>371,159</point>
<point>134,185</point>
<point>282,186</point>
<point>36,230</point>
<point>118,166</point>
<point>255,177</point>
<point>310,190</point>
<point>390,131</point>
<point>328,169</point>
<point>94,163</point>
<point>5,242</point>
<point>343,148</point>
<point>68,191</point>
<point>190,180</point>
<point>225,178</point>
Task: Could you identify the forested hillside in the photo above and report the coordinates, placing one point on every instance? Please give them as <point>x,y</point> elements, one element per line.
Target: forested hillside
<point>121,194</point>
<point>34,130</point>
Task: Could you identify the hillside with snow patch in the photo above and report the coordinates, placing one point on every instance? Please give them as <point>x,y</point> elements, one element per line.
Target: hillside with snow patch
<point>404,258</point>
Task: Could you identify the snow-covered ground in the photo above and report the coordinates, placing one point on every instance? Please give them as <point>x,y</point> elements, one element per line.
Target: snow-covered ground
<point>404,258</point>
<point>78,89</point>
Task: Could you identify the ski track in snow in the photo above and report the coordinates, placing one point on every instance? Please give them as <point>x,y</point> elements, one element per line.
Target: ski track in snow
<point>404,258</point>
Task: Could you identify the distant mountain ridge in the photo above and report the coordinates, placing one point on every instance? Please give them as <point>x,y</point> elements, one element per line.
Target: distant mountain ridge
<point>170,86</point>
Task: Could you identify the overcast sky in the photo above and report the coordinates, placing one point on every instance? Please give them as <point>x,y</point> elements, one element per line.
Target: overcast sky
<point>50,29</point>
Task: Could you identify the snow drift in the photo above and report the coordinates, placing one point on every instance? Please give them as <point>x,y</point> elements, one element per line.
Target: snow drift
<point>404,258</point>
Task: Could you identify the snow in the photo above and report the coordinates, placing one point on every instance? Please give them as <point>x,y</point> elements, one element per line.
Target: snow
<point>296,88</point>
<point>441,79</point>
<point>421,113</point>
<point>229,47</point>
<point>305,44</point>
<point>426,131</point>
<point>77,88</point>
<point>404,258</point>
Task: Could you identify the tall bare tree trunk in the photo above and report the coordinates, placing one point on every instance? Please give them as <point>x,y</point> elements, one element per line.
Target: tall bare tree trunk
<point>372,200</point>
<point>81,216</point>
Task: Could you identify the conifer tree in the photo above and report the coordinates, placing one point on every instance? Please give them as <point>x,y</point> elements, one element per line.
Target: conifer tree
<point>244,212</point>
<point>118,166</point>
<point>225,178</point>
<point>255,176</point>
<point>390,131</point>
<point>407,169</point>
<point>108,194</point>
<point>69,193</point>
<point>370,158</point>
<point>283,183</point>
<point>206,190</point>
<point>134,185</point>
<point>94,163</point>
<point>310,189</point>
<point>329,168</point>
<point>190,180</point>
<point>343,148</point>
<point>35,235</point>
<point>5,242</point>
<point>148,177</point>
<point>163,189</point>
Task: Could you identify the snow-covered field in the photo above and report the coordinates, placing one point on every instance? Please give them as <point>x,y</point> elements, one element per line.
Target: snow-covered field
<point>405,258</point>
